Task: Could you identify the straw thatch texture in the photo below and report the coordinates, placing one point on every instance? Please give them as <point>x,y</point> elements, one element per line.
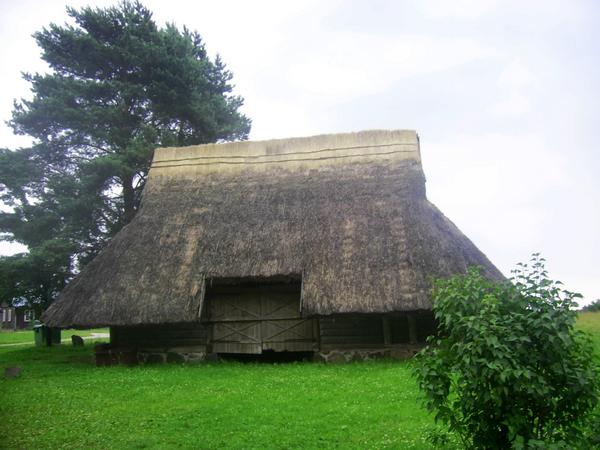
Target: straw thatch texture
<point>352,220</point>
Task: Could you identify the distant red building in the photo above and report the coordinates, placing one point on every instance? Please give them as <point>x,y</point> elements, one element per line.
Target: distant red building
<point>15,318</point>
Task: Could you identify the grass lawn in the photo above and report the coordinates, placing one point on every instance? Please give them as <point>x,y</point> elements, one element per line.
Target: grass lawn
<point>63,401</point>
<point>26,336</point>
<point>590,323</point>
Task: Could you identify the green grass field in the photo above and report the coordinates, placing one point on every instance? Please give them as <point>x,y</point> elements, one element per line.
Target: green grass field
<point>26,336</point>
<point>590,323</point>
<point>63,401</point>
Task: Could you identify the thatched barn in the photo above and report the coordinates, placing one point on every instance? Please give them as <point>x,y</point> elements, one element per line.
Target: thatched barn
<point>323,244</point>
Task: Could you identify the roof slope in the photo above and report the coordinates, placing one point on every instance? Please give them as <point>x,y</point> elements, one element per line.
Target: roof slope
<point>347,212</point>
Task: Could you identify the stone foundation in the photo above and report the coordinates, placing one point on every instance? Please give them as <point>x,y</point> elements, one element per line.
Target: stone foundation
<point>350,355</point>
<point>176,355</point>
<point>107,355</point>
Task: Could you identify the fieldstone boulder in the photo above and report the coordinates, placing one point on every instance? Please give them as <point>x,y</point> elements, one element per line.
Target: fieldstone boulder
<point>12,372</point>
<point>77,341</point>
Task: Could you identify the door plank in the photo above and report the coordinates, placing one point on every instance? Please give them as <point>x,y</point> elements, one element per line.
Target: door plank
<point>256,318</point>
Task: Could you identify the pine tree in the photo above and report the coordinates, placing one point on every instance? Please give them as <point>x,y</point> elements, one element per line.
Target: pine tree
<point>119,87</point>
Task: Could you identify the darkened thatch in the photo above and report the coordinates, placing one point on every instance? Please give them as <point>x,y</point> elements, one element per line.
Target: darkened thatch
<point>347,213</point>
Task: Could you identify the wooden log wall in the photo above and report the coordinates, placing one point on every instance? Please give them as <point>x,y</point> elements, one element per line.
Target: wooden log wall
<point>351,331</point>
<point>374,330</point>
<point>426,326</point>
<point>354,331</point>
<point>157,336</point>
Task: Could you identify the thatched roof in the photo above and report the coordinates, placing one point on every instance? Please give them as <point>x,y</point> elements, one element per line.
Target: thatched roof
<point>346,213</point>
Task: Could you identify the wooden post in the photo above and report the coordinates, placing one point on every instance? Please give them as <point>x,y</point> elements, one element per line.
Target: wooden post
<point>317,332</point>
<point>412,329</point>
<point>387,335</point>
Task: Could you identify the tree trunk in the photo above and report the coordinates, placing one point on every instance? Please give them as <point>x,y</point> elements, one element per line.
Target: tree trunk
<point>128,198</point>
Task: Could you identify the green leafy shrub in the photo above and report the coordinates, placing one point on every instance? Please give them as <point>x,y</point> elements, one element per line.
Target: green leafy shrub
<point>508,369</point>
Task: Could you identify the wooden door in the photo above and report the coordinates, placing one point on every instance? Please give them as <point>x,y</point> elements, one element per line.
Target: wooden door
<point>235,316</point>
<point>282,328</point>
<point>251,319</point>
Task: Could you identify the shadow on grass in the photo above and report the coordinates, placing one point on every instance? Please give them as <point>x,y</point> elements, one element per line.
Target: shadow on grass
<point>268,357</point>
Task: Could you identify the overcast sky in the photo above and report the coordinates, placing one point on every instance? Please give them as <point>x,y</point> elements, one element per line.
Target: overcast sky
<point>505,96</point>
